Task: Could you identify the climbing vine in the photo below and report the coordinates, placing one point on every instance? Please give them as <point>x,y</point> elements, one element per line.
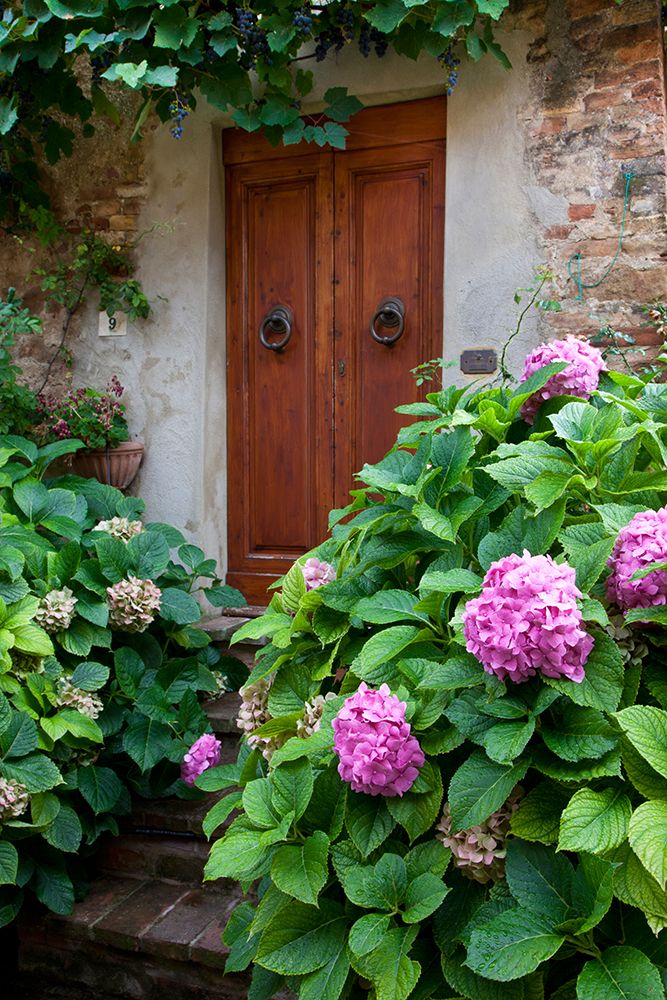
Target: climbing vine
<point>250,57</point>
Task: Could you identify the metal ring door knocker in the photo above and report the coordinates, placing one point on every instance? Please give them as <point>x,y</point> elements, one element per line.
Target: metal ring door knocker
<point>278,321</point>
<point>391,314</point>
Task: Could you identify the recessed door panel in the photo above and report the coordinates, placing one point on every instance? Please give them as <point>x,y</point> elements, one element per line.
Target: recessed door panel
<point>389,251</point>
<point>280,447</point>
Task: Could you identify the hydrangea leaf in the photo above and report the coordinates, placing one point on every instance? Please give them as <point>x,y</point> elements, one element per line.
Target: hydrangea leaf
<point>9,861</point>
<point>621,973</point>
<point>540,879</point>
<point>380,648</point>
<point>634,885</point>
<point>236,855</point>
<point>592,893</point>
<point>424,895</point>
<point>65,832</point>
<point>538,815</point>
<point>648,838</point>
<point>310,939</point>
<point>417,811</point>
<point>595,822</point>
<point>368,821</point>
<point>512,945</point>
<point>100,787</point>
<point>393,974</point>
<point>607,766</point>
<point>602,687</point>
<point>217,815</point>
<point>479,787</point>
<point>54,888</point>
<point>326,983</point>
<point>292,787</point>
<point>388,606</point>
<point>505,741</point>
<point>301,871</point>
<point>646,728</point>
<point>367,932</point>
<point>579,733</point>
<point>36,772</point>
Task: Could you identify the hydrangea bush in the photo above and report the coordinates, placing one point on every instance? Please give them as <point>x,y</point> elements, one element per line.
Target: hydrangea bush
<point>102,666</point>
<point>482,811</point>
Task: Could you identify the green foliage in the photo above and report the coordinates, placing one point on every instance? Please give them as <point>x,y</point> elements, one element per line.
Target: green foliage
<point>170,54</point>
<point>89,711</point>
<point>357,892</point>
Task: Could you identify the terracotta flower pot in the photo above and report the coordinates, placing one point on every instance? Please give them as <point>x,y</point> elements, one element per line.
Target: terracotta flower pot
<point>115,466</point>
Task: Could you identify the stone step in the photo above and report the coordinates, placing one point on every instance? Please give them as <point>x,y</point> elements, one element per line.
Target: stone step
<point>135,939</point>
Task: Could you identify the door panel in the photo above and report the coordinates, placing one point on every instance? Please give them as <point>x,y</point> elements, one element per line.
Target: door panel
<point>389,242</point>
<point>280,429</point>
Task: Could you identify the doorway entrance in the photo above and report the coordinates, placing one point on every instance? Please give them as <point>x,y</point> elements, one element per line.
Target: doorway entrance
<point>334,292</point>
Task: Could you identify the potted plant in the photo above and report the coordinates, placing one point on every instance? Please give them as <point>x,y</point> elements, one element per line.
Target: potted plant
<point>98,420</point>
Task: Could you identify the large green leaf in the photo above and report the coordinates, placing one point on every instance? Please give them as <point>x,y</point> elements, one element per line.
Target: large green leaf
<point>596,822</point>
<point>512,944</point>
<point>146,741</point>
<point>367,932</point>
<point>368,821</point>
<point>621,973</point>
<point>101,787</point>
<point>646,728</point>
<point>301,871</point>
<point>307,941</point>
<point>647,834</point>
<point>418,811</point>
<point>179,607</point>
<point>293,787</point>
<point>602,687</point>
<point>380,648</point>
<point>36,772</point>
<point>539,878</point>
<point>479,787</point>
<point>236,855</point>
<point>9,861</point>
<point>539,812</point>
<point>452,451</point>
<point>65,832</point>
<point>389,606</point>
<point>393,973</point>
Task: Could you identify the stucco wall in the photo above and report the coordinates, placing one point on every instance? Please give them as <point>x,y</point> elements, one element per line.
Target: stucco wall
<point>173,364</point>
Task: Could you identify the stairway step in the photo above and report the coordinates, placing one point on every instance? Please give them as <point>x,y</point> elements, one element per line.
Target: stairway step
<point>170,815</point>
<point>135,938</point>
<point>222,713</point>
<point>177,857</point>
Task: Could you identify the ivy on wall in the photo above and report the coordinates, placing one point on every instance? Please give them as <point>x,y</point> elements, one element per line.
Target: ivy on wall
<point>252,58</point>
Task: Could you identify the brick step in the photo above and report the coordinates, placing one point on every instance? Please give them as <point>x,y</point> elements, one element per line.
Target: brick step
<point>222,713</point>
<point>176,856</point>
<point>132,939</point>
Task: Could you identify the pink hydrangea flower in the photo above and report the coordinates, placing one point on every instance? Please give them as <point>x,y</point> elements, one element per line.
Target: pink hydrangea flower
<point>316,573</point>
<point>377,754</point>
<point>580,378</point>
<point>526,620</point>
<point>204,753</point>
<point>642,542</point>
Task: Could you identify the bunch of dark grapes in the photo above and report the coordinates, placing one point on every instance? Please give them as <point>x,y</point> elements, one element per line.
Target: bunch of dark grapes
<point>330,39</point>
<point>253,37</point>
<point>344,20</point>
<point>450,62</point>
<point>371,36</point>
<point>99,63</point>
<point>303,21</point>
<point>178,110</point>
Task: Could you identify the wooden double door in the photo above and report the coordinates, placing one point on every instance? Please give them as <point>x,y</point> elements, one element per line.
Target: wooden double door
<point>334,278</point>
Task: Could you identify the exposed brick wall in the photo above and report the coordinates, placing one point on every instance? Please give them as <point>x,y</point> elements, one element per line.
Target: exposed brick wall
<point>597,111</point>
<point>101,187</point>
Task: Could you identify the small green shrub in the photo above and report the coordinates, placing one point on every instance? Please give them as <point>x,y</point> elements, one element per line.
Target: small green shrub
<point>527,860</point>
<point>101,667</point>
